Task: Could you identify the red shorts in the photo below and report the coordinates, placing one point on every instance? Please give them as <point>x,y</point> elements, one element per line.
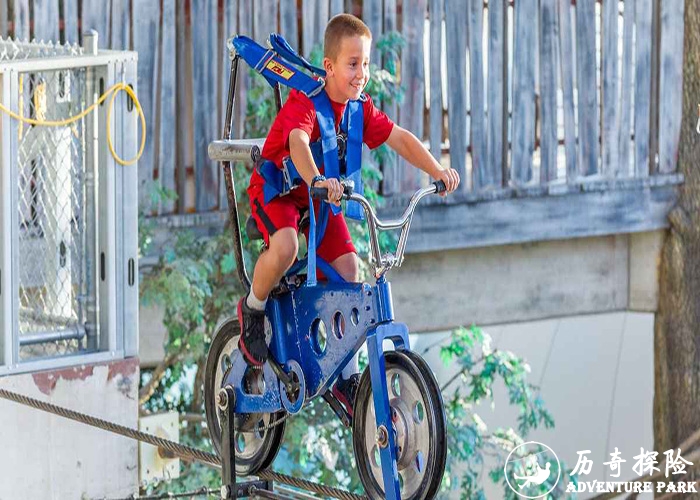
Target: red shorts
<point>286,211</point>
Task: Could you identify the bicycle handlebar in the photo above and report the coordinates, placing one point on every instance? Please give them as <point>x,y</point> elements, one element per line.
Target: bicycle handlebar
<point>382,263</point>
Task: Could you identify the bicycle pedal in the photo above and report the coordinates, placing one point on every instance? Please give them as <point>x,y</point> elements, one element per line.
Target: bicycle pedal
<point>337,408</point>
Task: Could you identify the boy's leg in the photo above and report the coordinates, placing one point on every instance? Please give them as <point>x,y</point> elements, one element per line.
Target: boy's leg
<point>271,266</point>
<point>277,221</point>
<point>338,250</point>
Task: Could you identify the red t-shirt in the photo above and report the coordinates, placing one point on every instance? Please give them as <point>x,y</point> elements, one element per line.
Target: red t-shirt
<point>299,112</point>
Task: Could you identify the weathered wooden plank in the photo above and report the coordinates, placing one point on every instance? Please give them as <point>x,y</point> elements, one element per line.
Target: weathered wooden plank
<point>435,9</point>
<point>390,167</point>
<point>245,27</point>
<point>372,17</point>
<point>146,41</point>
<point>588,120</point>
<point>4,33</point>
<point>497,96</point>
<point>456,46</point>
<point>167,100</point>
<point>70,21</point>
<point>540,218</point>
<point>336,7</point>
<point>264,20</point>
<point>625,116</point>
<point>121,25</point>
<point>609,142</point>
<point>642,86</point>
<point>482,175</point>
<point>229,27</point>
<point>20,19</point>
<point>288,22</point>
<point>413,81</point>
<point>524,47</point>
<point>96,17</point>
<point>567,87</point>
<point>183,104</point>
<point>670,84</point>
<point>204,39</point>
<point>3,20</point>
<point>321,20</point>
<point>46,20</point>
<point>309,34</point>
<point>548,91</point>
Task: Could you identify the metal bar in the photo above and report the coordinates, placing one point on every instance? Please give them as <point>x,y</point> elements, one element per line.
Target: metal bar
<point>6,243</point>
<point>228,178</point>
<point>59,362</point>
<point>11,94</point>
<point>75,333</point>
<point>294,494</point>
<point>91,161</point>
<point>245,150</point>
<point>61,63</point>
<point>256,493</point>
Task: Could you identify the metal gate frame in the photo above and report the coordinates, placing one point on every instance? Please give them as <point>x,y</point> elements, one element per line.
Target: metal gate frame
<point>114,250</point>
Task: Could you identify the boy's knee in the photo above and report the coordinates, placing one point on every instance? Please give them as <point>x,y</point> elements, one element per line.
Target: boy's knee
<point>285,246</point>
<point>348,266</point>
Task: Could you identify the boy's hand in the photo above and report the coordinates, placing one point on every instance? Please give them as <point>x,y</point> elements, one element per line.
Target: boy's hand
<point>451,179</point>
<point>335,190</point>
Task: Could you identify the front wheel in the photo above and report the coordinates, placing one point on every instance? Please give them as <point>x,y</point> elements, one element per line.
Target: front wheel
<point>419,424</point>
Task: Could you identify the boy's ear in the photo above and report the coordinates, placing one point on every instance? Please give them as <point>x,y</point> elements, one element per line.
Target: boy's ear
<point>327,65</point>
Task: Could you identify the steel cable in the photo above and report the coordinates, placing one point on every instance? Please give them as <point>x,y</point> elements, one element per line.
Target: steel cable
<point>181,450</point>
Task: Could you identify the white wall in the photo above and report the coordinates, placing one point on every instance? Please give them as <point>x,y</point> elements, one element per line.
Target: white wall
<point>49,457</point>
<point>596,377</point>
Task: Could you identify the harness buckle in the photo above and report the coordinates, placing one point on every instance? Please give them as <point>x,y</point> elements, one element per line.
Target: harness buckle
<point>287,177</point>
<point>317,90</point>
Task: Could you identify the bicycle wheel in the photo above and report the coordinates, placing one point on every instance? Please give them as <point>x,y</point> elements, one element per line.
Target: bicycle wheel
<point>419,424</point>
<point>256,445</point>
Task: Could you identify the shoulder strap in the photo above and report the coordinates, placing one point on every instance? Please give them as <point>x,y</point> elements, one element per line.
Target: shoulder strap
<point>280,45</point>
<point>275,69</point>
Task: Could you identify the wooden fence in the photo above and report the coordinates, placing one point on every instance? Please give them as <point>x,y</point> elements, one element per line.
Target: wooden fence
<point>525,93</point>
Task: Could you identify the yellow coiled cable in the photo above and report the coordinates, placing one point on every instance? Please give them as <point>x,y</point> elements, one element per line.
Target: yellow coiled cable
<point>113,90</point>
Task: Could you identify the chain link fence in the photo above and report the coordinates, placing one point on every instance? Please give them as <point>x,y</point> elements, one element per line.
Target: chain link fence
<point>52,196</point>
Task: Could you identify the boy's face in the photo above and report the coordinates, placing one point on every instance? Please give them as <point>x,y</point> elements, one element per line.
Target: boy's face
<point>347,75</point>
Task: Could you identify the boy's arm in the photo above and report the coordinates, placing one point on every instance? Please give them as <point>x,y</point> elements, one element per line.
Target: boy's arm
<point>412,150</point>
<point>303,160</point>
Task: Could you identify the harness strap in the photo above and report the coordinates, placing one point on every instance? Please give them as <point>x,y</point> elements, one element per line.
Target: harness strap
<point>281,46</point>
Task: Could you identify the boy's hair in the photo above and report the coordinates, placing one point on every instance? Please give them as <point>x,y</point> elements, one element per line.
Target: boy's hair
<point>339,27</point>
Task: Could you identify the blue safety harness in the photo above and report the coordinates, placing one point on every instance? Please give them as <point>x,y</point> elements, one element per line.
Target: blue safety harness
<point>278,65</point>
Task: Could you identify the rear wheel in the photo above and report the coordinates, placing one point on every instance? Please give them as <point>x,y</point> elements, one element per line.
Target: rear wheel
<point>256,443</point>
<point>419,424</point>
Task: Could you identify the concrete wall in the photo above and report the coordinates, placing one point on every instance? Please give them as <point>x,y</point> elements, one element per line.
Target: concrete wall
<point>49,457</point>
<point>440,290</point>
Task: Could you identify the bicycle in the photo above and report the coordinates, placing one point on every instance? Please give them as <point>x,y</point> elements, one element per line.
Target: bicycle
<point>314,329</point>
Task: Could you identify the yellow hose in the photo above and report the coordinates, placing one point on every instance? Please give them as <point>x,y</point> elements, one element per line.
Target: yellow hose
<point>114,90</point>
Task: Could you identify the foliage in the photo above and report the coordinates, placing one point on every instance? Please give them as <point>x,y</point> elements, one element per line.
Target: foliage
<point>479,368</point>
<point>195,282</point>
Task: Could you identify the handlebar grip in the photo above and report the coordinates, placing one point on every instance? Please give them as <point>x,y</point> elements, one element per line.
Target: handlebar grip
<point>319,193</point>
<point>440,187</point>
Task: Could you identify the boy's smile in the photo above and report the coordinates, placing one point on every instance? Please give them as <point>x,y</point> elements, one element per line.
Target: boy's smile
<point>348,74</point>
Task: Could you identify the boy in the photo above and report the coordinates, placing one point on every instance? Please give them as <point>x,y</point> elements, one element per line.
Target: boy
<point>347,44</point>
